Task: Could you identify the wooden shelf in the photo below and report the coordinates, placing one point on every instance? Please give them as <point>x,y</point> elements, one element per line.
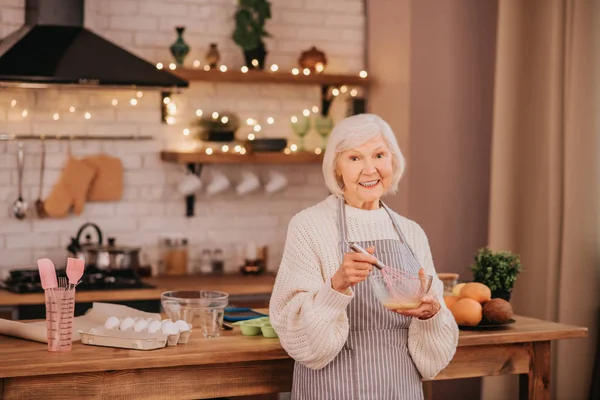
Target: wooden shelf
<point>253,76</point>
<point>183,157</point>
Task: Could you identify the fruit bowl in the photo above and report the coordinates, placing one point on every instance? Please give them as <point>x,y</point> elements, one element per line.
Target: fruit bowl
<point>188,305</point>
<point>400,291</point>
<point>485,325</point>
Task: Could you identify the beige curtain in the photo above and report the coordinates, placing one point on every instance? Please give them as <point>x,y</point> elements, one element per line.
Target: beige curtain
<point>545,174</point>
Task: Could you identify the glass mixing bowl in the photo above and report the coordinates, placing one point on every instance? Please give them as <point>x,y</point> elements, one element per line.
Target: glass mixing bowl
<point>400,291</point>
<point>192,305</point>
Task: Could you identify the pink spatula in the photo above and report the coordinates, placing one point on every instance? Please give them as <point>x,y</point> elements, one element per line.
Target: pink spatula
<point>75,269</point>
<point>47,273</point>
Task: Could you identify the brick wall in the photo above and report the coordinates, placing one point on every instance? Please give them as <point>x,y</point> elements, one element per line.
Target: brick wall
<point>151,204</point>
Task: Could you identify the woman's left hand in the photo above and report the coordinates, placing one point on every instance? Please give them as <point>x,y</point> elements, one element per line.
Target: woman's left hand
<point>428,308</point>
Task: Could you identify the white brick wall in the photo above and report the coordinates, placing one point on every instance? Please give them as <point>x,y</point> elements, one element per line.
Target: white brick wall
<point>151,204</point>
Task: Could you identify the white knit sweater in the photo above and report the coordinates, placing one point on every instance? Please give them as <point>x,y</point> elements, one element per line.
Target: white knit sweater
<point>310,317</point>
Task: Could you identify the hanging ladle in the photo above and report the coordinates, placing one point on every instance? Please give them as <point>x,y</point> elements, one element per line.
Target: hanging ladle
<point>39,203</point>
<point>20,206</point>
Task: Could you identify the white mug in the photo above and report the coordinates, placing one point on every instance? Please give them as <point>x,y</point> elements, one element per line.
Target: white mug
<point>219,183</point>
<point>277,181</point>
<point>248,184</point>
<point>190,184</point>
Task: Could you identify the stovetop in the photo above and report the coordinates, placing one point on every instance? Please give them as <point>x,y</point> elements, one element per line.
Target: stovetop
<point>28,281</point>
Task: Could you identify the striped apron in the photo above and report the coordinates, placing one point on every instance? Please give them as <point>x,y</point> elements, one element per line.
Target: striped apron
<point>374,363</point>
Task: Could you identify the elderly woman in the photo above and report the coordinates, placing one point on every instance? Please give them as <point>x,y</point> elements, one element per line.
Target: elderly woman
<point>345,343</point>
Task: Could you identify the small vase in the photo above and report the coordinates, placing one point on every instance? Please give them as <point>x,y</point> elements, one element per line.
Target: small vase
<point>501,294</point>
<point>313,59</point>
<point>179,49</point>
<point>212,56</point>
<point>259,54</point>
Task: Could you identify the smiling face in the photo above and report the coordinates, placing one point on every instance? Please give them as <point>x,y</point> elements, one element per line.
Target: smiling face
<point>367,172</point>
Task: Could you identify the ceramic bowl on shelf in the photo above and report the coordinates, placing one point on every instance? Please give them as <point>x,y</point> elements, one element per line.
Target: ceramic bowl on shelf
<point>267,145</point>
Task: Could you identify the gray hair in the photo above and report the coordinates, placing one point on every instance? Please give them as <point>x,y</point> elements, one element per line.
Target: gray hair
<point>352,132</point>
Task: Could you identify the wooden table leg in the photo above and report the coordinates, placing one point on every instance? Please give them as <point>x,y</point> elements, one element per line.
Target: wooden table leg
<point>536,384</point>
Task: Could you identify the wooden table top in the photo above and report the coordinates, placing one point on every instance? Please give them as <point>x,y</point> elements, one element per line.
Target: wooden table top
<point>26,358</point>
<point>234,284</point>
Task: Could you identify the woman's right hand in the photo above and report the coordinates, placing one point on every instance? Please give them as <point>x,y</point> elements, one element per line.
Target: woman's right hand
<point>355,268</point>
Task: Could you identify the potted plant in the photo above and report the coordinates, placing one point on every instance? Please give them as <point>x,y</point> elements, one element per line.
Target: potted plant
<point>218,127</point>
<point>249,32</point>
<point>496,270</point>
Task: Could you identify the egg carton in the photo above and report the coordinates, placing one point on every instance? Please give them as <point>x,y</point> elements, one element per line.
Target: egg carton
<point>124,339</point>
<point>128,338</point>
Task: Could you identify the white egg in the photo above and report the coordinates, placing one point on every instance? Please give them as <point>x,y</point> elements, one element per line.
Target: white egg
<point>154,327</point>
<point>165,321</point>
<point>182,325</point>
<point>140,325</point>
<point>112,323</point>
<point>169,328</point>
<point>127,323</point>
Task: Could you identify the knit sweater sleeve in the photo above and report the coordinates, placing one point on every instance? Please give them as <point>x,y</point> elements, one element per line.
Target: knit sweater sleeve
<point>432,342</point>
<point>306,312</point>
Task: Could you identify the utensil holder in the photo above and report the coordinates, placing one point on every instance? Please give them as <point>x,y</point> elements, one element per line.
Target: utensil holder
<point>60,309</point>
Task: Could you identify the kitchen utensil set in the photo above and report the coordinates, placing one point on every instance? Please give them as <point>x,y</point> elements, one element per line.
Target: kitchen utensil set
<point>60,301</point>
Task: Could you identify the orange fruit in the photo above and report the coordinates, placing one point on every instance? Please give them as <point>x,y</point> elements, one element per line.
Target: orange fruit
<point>476,291</point>
<point>450,301</point>
<point>457,288</point>
<point>467,312</point>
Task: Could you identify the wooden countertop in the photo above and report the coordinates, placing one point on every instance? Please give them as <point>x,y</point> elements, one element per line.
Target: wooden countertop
<point>26,358</point>
<point>234,284</point>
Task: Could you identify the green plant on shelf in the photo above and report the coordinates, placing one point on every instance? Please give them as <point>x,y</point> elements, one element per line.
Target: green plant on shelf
<point>249,32</point>
<point>217,126</point>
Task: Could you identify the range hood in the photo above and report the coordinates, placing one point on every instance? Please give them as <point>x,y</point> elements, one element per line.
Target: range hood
<point>53,48</point>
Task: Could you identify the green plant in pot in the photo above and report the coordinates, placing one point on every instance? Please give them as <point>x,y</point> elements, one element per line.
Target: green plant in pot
<point>496,270</point>
<point>218,127</point>
<point>250,19</point>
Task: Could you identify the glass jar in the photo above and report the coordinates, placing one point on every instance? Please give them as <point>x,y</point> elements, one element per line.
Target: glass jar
<point>218,262</point>
<point>206,262</point>
<point>449,280</point>
<point>174,255</point>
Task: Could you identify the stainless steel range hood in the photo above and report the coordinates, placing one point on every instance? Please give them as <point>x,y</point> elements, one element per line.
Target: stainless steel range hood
<point>53,48</point>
